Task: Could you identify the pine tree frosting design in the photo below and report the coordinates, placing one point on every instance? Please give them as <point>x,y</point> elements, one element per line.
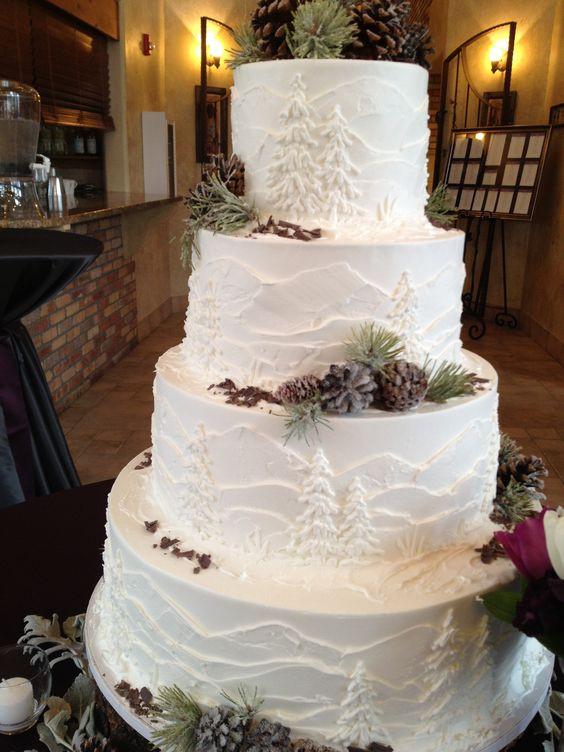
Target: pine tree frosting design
<point>315,535</point>
<point>358,538</point>
<point>361,722</point>
<point>338,168</point>
<point>203,330</point>
<point>404,317</point>
<point>300,182</point>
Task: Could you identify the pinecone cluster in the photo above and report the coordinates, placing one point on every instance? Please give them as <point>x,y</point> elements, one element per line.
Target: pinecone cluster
<point>230,171</point>
<point>383,31</point>
<point>306,745</point>
<point>220,728</point>
<point>95,744</point>
<point>527,471</point>
<point>402,386</point>
<point>297,390</point>
<point>349,388</point>
<point>268,737</point>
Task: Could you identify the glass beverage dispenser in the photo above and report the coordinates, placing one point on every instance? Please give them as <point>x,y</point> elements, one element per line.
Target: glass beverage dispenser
<point>20,108</point>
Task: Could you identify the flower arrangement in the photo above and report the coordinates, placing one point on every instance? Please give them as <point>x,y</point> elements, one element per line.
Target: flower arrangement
<point>536,607</point>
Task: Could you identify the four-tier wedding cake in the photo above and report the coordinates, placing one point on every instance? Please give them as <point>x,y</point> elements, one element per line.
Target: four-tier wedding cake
<point>337,574</point>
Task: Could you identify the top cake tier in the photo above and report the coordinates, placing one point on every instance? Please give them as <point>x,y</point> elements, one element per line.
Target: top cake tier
<point>337,144</point>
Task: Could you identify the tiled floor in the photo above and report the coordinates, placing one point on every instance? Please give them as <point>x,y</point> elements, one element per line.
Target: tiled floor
<point>110,423</point>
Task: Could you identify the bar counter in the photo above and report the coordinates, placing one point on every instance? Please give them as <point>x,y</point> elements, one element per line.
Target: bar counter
<point>93,208</point>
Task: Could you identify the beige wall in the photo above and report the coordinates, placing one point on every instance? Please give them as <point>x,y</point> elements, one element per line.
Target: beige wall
<point>537,61</point>
<point>163,81</point>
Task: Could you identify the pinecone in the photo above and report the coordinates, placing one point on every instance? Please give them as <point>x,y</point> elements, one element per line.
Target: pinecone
<point>267,736</point>
<point>271,20</point>
<point>402,385</point>
<point>381,29</point>
<point>231,171</point>
<point>348,389</point>
<point>417,45</point>
<point>297,390</point>
<point>529,471</point>
<point>221,729</point>
<point>306,745</point>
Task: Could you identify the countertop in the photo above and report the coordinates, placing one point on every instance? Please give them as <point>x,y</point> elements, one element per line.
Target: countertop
<point>97,207</point>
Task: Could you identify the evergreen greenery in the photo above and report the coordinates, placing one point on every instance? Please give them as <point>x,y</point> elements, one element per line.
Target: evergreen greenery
<point>448,380</point>
<point>321,29</point>
<point>246,706</point>
<point>439,208</point>
<point>249,51</point>
<point>509,450</point>
<point>515,503</point>
<point>180,715</point>
<point>212,206</point>
<point>373,346</point>
<point>304,418</point>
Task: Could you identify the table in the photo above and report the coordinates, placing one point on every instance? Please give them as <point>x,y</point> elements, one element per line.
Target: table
<point>52,548</point>
<point>34,266</point>
<point>51,559</point>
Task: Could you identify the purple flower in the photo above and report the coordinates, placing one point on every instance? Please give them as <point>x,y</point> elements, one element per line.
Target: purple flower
<point>541,609</point>
<point>526,547</point>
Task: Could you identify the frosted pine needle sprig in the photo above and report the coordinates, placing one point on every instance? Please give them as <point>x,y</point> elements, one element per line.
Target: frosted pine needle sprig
<point>304,419</point>
<point>212,206</point>
<point>449,380</point>
<point>179,715</point>
<point>373,346</point>
<point>249,51</point>
<point>321,29</point>
<point>515,504</point>
<point>246,704</point>
<point>439,209</point>
<point>509,450</point>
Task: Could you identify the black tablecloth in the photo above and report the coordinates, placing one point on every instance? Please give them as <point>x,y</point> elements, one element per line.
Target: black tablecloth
<point>50,562</point>
<point>34,266</point>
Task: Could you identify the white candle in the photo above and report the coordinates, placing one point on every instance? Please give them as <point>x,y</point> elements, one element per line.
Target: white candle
<point>16,700</point>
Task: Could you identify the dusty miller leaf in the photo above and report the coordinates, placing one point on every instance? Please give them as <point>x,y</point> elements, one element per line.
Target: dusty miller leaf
<point>80,695</point>
<point>46,736</point>
<point>557,703</point>
<point>73,627</point>
<point>56,718</point>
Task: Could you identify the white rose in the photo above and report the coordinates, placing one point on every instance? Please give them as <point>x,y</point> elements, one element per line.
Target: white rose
<point>554,532</point>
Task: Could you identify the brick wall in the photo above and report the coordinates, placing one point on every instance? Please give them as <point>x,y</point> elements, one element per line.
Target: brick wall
<point>93,322</point>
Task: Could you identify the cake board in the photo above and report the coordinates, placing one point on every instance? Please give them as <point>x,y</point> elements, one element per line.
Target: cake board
<point>106,679</point>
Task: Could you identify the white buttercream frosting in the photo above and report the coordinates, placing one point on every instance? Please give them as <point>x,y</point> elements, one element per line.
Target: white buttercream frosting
<point>336,143</point>
<point>344,581</point>
<point>266,309</point>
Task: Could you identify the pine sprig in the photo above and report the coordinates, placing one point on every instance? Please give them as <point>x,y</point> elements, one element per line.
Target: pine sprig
<point>247,706</point>
<point>249,50</point>
<point>373,346</point>
<point>212,206</point>
<point>509,450</point>
<point>321,29</point>
<point>180,715</point>
<point>302,419</point>
<point>439,209</point>
<point>515,503</point>
<point>448,380</point>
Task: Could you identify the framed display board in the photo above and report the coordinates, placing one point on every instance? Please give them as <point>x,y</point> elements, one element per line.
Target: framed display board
<point>496,172</point>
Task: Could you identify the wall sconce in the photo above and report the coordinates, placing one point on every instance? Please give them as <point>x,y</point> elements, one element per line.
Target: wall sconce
<point>146,45</point>
<point>214,51</point>
<point>498,59</point>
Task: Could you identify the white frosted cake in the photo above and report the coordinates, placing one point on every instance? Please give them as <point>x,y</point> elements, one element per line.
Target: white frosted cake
<point>341,577</point>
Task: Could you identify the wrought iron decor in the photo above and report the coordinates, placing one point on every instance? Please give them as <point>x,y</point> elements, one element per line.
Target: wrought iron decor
<point>459,93</point>
<point>494,175</point>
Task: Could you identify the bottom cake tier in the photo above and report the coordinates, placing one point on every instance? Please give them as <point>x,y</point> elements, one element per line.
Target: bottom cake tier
<point>408,659</point>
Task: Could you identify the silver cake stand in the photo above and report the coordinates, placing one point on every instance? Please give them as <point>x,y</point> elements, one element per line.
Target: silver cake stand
<point>106,679</point>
